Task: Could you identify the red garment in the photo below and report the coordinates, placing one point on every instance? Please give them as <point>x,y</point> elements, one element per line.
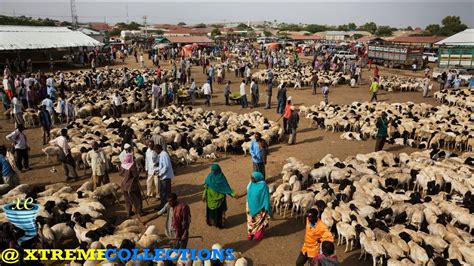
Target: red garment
<point>376,72</point>
<point>287,112</point>
<point>181,219</point>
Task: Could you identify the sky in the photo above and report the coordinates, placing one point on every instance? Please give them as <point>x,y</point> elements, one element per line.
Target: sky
<point>394,13</point>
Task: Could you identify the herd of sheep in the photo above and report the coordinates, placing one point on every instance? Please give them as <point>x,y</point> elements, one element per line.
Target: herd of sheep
<point>399,83</point>
<point>190,133</point>
<point>304,74</point>
<point>402,210</point>
<point>416,125</point>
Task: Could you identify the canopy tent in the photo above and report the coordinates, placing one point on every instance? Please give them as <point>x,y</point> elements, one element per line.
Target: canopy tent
<point>161,45</point>
<point>273,45</point>
<point>161,40</point>
<point>31,37</point>
<point>463,38</point>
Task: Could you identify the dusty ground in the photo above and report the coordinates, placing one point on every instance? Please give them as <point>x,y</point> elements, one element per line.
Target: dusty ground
<point>285,236</point>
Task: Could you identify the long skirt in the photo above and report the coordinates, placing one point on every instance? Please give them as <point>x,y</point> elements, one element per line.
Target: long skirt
<point>216,217</point>
<point>256,225</point>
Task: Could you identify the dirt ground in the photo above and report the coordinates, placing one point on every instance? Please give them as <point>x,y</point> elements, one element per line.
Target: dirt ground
<point>284,237</point>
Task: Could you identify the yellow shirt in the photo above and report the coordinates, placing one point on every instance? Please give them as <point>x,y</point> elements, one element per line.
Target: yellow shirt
<point>313,237</point>
<point>374,86</point>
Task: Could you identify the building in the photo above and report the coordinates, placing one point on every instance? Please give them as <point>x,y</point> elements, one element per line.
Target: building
<point>424,41</point>
<point>342,35</point>
<point>305,38</point>
<point>100,26</point>
<point>183,40</point>
<point>185,31</point>
<point>42,44</point>
<point>99,36</point>
<point>371,40</point>
<point>457,50</point>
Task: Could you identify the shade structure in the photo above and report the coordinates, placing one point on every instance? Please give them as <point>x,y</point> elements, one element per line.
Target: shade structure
<point>31,37</point>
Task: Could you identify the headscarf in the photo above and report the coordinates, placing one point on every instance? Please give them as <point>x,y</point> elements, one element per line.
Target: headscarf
<point>258,196</point>
<point>127,160</point>
<point>217,181</point>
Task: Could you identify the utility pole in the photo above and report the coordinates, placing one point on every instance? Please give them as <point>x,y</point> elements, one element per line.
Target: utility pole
<point>126,12</point>
<point>74,15</point>
<point>146,30</point>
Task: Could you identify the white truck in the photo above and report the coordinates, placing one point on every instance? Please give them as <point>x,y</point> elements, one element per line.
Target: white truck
<point>463,74</point>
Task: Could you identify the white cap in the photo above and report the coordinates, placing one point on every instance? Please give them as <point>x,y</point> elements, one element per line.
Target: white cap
<point>292,108</point>
<point>289,98</point>
<point>126,146</point>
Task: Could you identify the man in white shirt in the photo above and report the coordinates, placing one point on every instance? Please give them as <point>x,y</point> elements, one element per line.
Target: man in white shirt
<point>207,93</point>
<point>243,95</point>
<point>142,61</point>
<point>17,111</point>
<point>165,172</point>
<point>117,102</point>
<point>48,103</point>
<point>65,156</point>
<point>151,162</point>
<point>98,163</point>
<point>155,96</point>
<point>21,147</point>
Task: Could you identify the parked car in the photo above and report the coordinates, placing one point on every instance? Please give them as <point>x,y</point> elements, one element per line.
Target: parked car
<point>345,54</point>
<point>463,74</point>
<point>432,57</point>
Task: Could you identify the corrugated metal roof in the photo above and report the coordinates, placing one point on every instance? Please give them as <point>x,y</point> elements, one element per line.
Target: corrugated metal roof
<point>30,37</point>
<point>418,39</point>
<point>465,37</point>
<point>189,39</point>
<point>300,37</point>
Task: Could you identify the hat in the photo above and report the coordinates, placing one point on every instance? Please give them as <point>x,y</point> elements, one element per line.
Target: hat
<point>126,146</point>
<point>292,108</point>
<point>289,98</point>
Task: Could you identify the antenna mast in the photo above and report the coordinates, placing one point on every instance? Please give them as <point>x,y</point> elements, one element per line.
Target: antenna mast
<point>74,21</point>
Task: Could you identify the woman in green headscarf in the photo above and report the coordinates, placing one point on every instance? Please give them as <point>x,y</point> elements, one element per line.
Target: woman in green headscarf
<point>259,208</point>
<point>216,188</point>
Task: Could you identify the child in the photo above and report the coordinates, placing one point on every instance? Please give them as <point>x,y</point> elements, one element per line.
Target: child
<point>327,256</point>
<point>325,92</point>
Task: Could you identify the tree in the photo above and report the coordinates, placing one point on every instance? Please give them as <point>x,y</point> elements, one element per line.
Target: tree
<point>200,25</point>
<point>343,27</point>
<point>215,32</point>
<point>432,29</point>
<point>243,26</point>
<point>369,26</point>
<point>290,27</point>
<point>352,26</point>
<point>267,33</point>
<point>313,28</point>
<point>451,25</point>
<point>357,36</point>
<point>384,31</point>
<point>181,24</point>
<point>409,28</point>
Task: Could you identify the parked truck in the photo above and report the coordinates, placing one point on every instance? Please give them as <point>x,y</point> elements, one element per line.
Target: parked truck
<point>390,55</point>
<point>458,56</point>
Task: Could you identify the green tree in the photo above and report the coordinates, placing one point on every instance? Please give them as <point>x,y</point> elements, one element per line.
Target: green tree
<point>384,31</point>
<point>313,28</point>
<point>357,36</point>
<point>343,27</point>
<point>215,32</point>
<point>181,24</point>
<point>409,28</point>
<point>200,25</point>
<point>369,26</point>
<point>451,25</point>
<point>433,29</point>
<point>267,33</point>
<point>243,26</point>
<point>290,27</point>
<point>352,26</point>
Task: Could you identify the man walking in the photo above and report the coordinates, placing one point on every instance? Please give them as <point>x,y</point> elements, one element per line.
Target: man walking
<point>207,93</point>
<point>373,89</point>
<point>254,93</point>
<point>325,92</point>
<point>17,111</point>
<point>293,124</point>
<point>18,138</point>
<point>98,163</point>
<point>165,173</point>
<point>192,91</point>
<point>381,124</point>
<point>227,92</point>
<point>178,220</point>
<point>151,161</point>
<point>269,89</point>
<point>259,152</point>
<point>8,175</point>
<point>243,95</point>
<point>45,121</point>
<point>155,96</point>
<point>65,156</point>
<point>314,82</point>
<point>117,102</point>
<point>281,98</point>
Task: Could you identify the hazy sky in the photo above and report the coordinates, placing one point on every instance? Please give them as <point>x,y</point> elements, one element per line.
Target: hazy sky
<point>394,13</point>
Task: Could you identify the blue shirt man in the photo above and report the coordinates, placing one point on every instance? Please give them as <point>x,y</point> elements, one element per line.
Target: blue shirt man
<point>258,152</point>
